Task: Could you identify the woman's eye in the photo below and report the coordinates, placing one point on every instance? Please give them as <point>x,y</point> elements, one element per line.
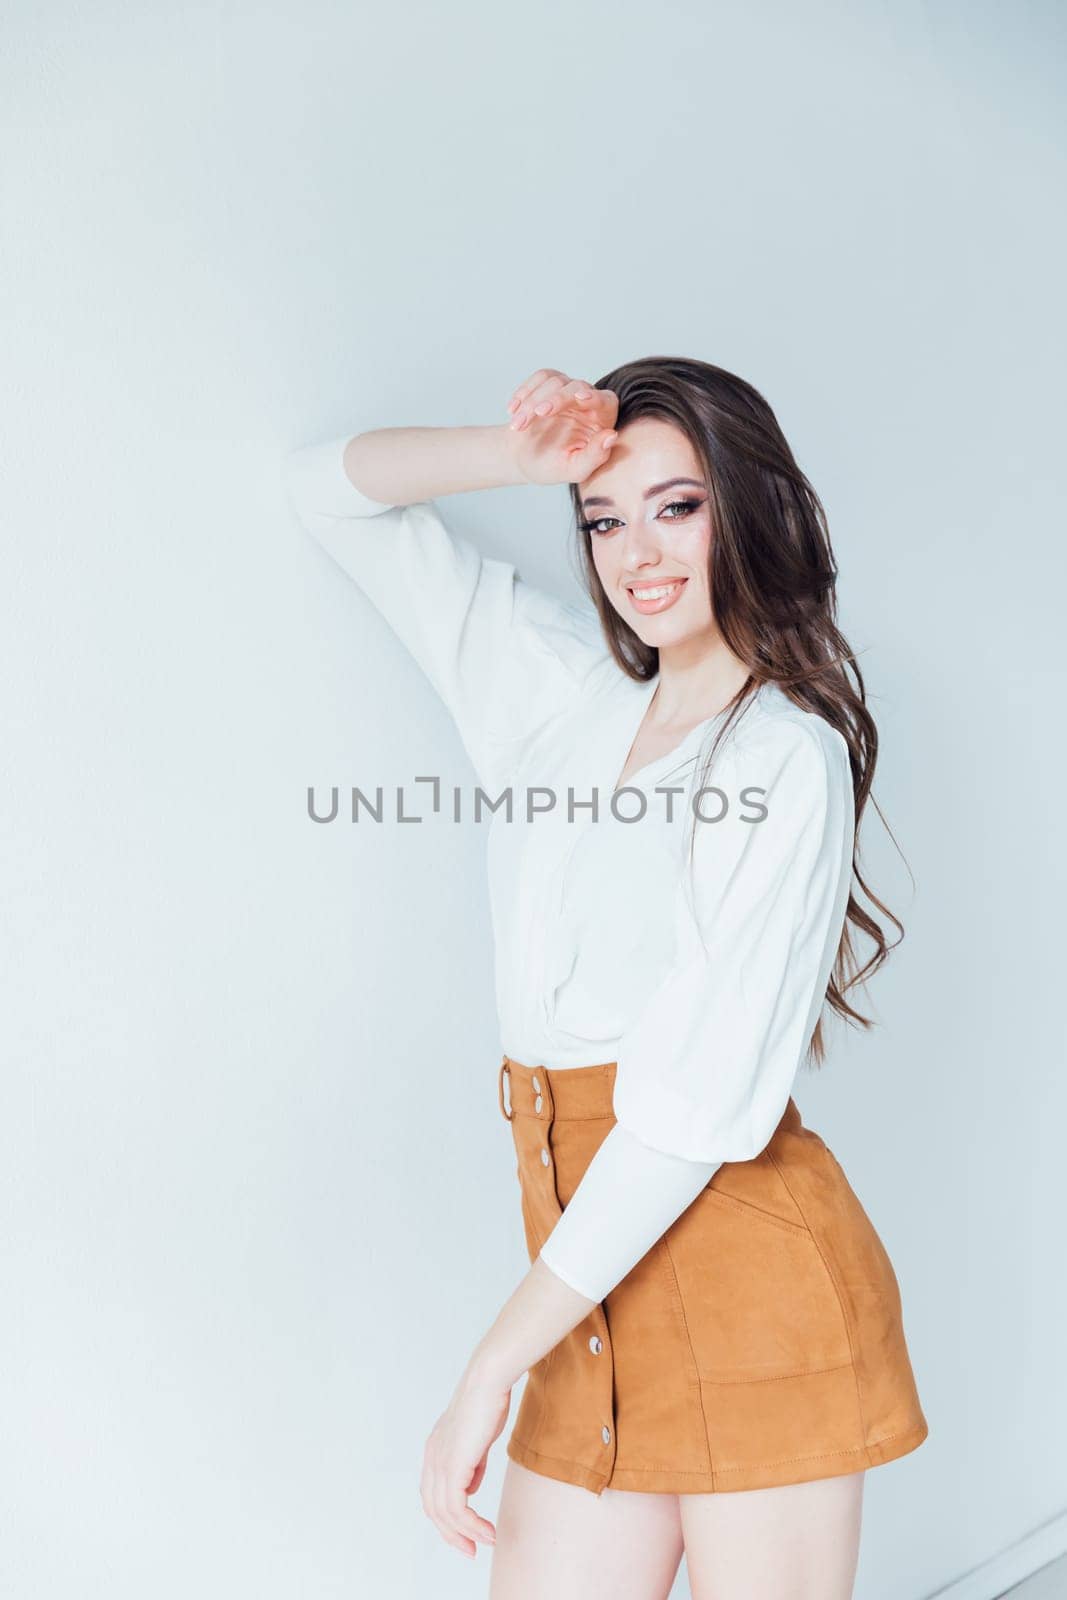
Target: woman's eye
<point>686,507</point>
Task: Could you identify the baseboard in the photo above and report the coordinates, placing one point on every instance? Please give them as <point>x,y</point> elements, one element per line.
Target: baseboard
<point>1021,1560</point>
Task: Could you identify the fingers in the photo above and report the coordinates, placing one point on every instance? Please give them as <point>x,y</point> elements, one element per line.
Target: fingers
<point>444,1500</point>
<point>435,1505</point>
<point>536,386</point>
<point>583,462</point>
<point>535,381</point>
<point>598,407</point>
<point>447,1521</point>
<point>546,405</point>
<point>463,1519</point>
<point>538,401</point>
<point>553,397</point>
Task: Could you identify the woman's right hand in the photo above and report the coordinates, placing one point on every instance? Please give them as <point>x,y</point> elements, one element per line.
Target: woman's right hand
<point>563,428</point>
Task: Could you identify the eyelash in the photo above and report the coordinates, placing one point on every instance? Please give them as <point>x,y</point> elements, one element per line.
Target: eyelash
<point>689,506</point>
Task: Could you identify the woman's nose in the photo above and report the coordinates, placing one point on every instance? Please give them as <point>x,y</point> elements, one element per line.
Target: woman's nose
<point>640,547</point>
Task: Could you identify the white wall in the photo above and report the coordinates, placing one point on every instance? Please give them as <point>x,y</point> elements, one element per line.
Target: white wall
<point>258,1199</point>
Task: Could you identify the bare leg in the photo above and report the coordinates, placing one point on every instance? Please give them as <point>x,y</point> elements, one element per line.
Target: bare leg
<point>556,1541</point>
<point>798,1542</point>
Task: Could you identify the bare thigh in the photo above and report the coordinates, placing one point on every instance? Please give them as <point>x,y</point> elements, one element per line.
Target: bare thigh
<point>798,1542</point>
<point>556,1541</point>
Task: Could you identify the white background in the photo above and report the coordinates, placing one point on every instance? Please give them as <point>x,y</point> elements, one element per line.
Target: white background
<point>258,1201</point>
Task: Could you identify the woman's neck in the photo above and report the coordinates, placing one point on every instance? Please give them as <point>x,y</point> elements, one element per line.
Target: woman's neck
<point>695,686</point>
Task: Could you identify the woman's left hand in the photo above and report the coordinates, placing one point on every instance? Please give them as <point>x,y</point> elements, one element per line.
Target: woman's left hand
<point>455,1459</point>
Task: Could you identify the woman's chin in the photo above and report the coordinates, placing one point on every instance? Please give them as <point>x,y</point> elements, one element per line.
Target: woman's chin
<point>667,631</point>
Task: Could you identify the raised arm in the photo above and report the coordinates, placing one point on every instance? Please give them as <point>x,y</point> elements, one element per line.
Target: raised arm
<point>399,466</point>
<point>505,657</point>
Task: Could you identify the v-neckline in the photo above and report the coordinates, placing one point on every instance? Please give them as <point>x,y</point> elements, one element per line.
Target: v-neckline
<point>644,700</point>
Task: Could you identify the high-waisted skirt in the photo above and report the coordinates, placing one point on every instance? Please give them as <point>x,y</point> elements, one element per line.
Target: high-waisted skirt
<point>758,1342</point>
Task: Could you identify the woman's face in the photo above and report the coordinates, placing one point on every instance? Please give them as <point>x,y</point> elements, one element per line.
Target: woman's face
<point>651,549</point>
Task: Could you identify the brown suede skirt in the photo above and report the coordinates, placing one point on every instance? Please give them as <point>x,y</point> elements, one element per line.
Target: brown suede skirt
<point>759,1342</point>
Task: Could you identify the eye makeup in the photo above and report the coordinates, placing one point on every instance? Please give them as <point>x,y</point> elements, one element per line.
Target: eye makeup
<point>687,507</point>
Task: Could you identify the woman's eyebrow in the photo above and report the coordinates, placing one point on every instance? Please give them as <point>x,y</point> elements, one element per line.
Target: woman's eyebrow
<point>657,488</point>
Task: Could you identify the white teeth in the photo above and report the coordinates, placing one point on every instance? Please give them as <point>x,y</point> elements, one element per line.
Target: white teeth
<point>654,594</point>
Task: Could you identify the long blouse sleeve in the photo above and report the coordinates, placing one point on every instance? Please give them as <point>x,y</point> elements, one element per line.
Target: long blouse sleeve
<point>627,1198</point>
<point>504,656</point>
<point>706,1068</point>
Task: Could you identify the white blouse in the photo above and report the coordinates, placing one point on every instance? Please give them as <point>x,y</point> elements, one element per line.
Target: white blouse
<point>703,983</point>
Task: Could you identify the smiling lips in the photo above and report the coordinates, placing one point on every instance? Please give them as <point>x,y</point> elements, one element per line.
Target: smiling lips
<point>649,598</point>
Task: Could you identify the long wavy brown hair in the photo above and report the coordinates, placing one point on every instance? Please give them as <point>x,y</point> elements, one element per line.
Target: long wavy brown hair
<point>772,580</point>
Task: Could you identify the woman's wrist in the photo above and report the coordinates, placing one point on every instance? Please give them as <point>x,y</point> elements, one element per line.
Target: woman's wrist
<point>535,1318</point>
<point>400,466</point>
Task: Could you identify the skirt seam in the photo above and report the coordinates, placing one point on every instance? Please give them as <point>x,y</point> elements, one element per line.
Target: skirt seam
<point>830,1455</point>
<point>901,1432</point>
<point>788,1461</point>
<point>565,1116</point>
<point>777,1377</point>
<point>523,1448</point>
<point>653,1470</point>
<point>680,1303</point>
<point>832,1275</point>
<point>557,1461</point>
<point>746,1208</point>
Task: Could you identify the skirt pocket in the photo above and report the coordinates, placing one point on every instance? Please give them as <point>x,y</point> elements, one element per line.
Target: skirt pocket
<point>756,1187</point>
<point>756,1214</point>
<point>757,1297</point>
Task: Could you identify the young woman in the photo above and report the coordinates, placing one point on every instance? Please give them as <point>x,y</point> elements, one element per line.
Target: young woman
<point>711,1327</point>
